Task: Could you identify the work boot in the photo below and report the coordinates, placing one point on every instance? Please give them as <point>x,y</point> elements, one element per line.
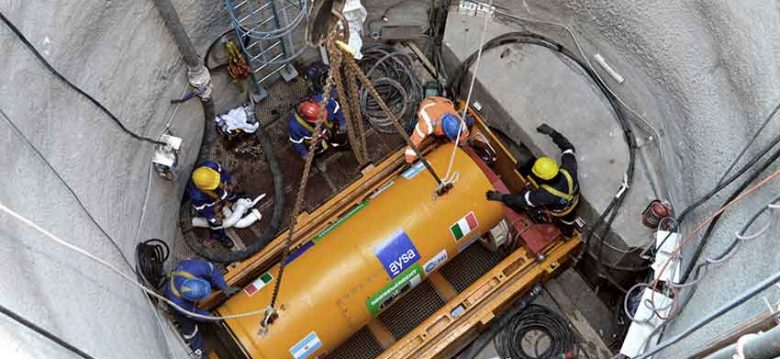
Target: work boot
<point>220,236</point>
<point>226,242</point>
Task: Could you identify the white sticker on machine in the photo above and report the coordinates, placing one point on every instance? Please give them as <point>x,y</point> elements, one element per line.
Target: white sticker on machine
<point>306,347</point>
<point>435,262</point>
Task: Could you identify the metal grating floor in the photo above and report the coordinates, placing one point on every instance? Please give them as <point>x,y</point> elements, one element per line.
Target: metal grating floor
<point>414,307</point>
<point>419,304</point>
<point>469,265</point>
<point>246,163</point>
<point>362,345</point>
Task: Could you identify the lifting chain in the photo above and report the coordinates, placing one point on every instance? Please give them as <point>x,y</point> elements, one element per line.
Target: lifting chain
<point>350,108</point>
<point>270,312</point>
<point>442,186</point>
<point>357,139</point>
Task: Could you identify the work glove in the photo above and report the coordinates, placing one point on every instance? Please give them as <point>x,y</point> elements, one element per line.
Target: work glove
<point>561,141</point>
<point>545,129</point>
<point>229,291</point>
<point>215,223</point>
<point>494,196</point>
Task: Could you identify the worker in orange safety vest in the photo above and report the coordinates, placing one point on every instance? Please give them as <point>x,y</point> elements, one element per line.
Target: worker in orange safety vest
<point>438,116</point>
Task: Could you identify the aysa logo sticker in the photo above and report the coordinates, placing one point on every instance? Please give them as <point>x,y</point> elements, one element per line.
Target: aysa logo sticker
<point>397,253</point>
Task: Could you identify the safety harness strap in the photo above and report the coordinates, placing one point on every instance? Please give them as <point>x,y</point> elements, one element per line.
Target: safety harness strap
<point>307,126</point>
<point>570,197</point>
<point>182,274</point>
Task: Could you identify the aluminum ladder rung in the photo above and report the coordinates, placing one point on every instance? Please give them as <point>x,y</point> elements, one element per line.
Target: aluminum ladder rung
<point>265,51</point>
<point>241,21</point>
<point>240,5</point>
<point>260,81</point>
<point>269,61</point>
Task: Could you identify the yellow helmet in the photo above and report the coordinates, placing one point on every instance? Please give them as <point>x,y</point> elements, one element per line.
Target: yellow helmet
<point>206,178</point>
<point>545,168</point>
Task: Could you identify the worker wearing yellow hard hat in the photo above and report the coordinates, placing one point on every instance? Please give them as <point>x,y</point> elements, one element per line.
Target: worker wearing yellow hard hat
<point>558,191</point>
<point>210,187</point>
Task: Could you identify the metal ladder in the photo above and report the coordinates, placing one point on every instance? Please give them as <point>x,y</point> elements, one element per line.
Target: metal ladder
<point>266,29</point>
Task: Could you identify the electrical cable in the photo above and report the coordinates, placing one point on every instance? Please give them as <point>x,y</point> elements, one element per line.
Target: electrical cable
<point>605,220</point>
<point>497,324</point>
<point>151,256</point>
<point>67,187</point>
<point>62,78</point>
<point>48,235</point>
<point>390,71</point>
<point>678,250</point>
<point>49,335</point>
<point>562,340</point>
<point>711,227</point>
<point>745,296</point>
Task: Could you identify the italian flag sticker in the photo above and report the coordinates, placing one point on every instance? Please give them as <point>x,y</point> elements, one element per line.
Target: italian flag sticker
<point>258,284</point>
<point>464,226</point>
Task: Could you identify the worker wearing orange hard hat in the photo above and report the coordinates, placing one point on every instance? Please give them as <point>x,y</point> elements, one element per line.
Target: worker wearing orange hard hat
<point>437,116</point>
<point>210,187</point>
<point>558,190</point>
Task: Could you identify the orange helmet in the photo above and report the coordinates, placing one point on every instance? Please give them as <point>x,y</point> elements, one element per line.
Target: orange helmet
<point>309,110</point>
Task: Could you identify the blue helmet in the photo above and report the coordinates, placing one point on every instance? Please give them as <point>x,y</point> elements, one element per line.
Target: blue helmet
<point>195,289</point>
<point>450,124</point>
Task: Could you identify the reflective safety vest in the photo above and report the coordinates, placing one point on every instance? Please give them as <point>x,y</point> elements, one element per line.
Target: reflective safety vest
<point>429,113</point>
<point>323,140</point>
<point>571,197</point>
<point>175,274</point>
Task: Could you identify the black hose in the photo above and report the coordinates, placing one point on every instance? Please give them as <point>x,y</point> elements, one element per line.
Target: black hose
<point>21,320</point>
<point>708,233</point>
<point>150,259</point>
<point>72,86</point>
<point>562,340</point>
<point>742,298</point>
<point>180,37</point>
<point>221,255</point>
<point>499,323</point>
<point>183,42</point>
<point>605,220</point>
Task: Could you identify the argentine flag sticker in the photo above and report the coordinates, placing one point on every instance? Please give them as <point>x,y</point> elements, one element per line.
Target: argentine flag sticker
<point>306,347</point>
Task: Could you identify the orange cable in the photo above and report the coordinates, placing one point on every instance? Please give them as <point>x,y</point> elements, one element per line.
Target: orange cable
<point>698,228</point>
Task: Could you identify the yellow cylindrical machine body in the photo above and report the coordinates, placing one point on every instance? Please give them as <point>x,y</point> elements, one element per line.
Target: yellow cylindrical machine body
<point>361,264</point>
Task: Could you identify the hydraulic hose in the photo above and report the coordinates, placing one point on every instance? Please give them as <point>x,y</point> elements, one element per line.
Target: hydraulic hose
<point>180,37</point>
<point>194,64</point>
<point>221,255</point>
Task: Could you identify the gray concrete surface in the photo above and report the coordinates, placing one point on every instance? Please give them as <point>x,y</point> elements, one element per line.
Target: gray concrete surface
<point>523,86</point>
<point>122,54</point>
<point>705,74</point>
<point>569,296</point>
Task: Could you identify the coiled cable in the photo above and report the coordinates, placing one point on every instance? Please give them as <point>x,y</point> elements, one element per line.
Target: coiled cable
<point>390,71</point>
<point>562,340</point>
<point>150,257</point>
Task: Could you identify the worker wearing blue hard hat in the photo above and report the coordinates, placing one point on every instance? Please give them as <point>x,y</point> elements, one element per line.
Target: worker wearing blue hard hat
<point>189,283</point>
<point>437,116</point>
<point>211,186</point>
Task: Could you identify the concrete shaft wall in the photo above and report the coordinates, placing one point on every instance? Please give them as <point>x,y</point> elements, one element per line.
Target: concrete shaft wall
<point>706,73</point>
<point>121,53</point>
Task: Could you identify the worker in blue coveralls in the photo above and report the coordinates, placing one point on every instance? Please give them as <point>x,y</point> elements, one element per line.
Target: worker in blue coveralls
<point>189,283</point>
<point>210,187</point>
<point>304,119</point>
